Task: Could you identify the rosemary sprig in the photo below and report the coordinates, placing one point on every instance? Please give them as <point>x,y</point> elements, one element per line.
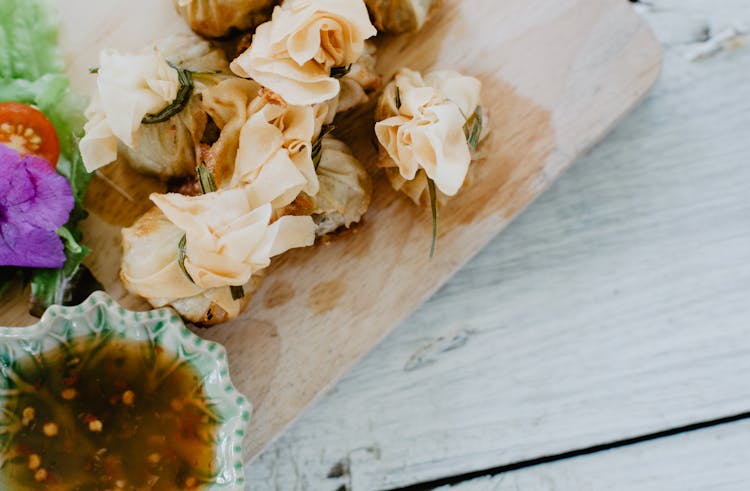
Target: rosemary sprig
<point>238,292</point>
<point>341,71</point>
<point>434,206</point>
<point>181,256</point>
<point>206,179</point>
<point>208,185</point>
<point>180,101</point>
<point>317,148</point>
<point>473,128</point>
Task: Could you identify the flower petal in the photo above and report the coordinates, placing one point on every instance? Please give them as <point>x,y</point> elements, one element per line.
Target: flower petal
<point>34,202</point>
<point>52,202</point>
<point>26,246</point>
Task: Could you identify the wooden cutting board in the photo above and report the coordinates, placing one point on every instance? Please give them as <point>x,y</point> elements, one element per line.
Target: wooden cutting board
<point>557,76</point>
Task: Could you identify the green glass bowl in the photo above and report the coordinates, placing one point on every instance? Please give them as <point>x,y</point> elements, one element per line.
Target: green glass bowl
<point>100,315</point>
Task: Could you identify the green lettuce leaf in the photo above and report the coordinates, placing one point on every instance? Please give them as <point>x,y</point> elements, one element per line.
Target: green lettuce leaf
<point>31,73</point>
<point>74,282</point>
<point>28,39</point>
<point>67,286</point>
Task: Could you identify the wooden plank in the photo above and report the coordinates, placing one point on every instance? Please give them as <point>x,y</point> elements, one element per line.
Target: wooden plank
<point>615,306</point>
<point>714,459</point>
<point>552,99</point>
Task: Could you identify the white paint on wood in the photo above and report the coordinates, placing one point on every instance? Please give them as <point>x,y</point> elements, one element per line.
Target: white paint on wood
<point>713,459</point>
<point>616,306</point>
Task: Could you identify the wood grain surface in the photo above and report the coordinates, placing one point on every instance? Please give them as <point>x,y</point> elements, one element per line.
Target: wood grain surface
<point>714,459</point>
<point>615,306</point>
<point>557,76</point>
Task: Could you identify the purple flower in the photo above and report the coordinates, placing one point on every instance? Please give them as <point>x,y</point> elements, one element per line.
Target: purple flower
<point>34,202</point>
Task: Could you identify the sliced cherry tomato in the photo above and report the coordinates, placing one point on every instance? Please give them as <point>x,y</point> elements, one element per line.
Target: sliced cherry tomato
<point>28,131</point>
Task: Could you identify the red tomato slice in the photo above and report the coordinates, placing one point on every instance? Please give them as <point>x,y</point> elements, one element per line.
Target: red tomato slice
<point>28,131</point>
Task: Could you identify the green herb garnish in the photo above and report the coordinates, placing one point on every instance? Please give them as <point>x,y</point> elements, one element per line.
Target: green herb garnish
<point>180,101</point>
<point>398,98</point>
<point>434,206</point>
<point>238,293</point>
<point>94,70</point>
<point>71,244</point>
<point>206,179</point>
<point>317,148</point>
<point>181,257</point>
<point>341,71</point>
<point>208,185</point>
<point>473,128</point>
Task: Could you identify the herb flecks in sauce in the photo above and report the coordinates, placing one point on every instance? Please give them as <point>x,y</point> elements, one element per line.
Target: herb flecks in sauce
<point>101,414</point>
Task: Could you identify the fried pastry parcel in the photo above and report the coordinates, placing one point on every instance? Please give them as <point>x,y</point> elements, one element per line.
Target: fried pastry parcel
<point>218,18</point>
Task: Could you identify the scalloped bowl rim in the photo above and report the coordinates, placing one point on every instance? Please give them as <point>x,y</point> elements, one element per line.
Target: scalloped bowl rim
<point>234,408</point>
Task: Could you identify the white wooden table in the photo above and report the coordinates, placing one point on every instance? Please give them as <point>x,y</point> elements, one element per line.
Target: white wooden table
<point>617,306</point>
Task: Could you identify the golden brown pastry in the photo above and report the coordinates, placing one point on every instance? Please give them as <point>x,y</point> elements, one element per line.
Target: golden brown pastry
<point>398,16</point>
<point>229,236</point>
<point>217,18</point>
<point>345,189</point>
<point>427,128</point>
<point>305,47</point>
<point>150,270</point>
<point>275,146</point>
<point>130,87</point>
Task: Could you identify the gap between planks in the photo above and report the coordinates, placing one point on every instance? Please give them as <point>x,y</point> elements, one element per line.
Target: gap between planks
<point>714,459</point>
<point>548,459</point>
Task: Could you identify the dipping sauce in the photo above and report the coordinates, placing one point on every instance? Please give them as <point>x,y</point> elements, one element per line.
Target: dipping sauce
<point>107,415</point>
